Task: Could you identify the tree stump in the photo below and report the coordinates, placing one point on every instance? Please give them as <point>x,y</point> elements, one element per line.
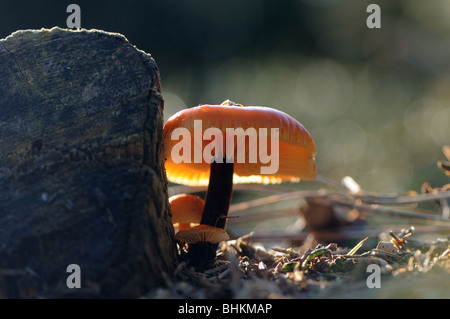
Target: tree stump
<point>82,176</point>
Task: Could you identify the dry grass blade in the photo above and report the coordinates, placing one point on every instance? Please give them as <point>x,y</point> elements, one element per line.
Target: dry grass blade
<point>250,217</point>
<point>350,201</point>
<point>411,215</point>
<point>274,189</point>
<point>355,249</point>
<point>275,199</point>
<point>399,200</point>
<point>344,233</point>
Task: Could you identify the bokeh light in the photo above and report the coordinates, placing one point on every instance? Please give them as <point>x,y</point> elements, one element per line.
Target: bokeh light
<point>376,101</point>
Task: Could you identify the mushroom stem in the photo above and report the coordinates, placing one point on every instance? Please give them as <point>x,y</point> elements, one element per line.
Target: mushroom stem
<point>218,195</point>
<point>217,204</point>
<point>201,255</point>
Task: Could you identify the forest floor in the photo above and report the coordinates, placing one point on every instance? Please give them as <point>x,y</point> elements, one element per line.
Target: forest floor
<point>337,254</point>
<point>403,268</point>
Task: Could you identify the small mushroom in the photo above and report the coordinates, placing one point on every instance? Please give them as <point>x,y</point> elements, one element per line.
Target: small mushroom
<point>186,210</point>
<point>202,234</point>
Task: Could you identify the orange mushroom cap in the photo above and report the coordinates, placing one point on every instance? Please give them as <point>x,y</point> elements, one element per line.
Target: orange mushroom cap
<point>296,146</point>
<point>186,208</point>
<point>203,234</point>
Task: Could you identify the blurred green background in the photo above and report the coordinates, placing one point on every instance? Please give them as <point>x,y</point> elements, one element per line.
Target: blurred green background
<point>376,101</point>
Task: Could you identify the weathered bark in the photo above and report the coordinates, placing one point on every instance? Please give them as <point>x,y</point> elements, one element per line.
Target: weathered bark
<point>81,170</point>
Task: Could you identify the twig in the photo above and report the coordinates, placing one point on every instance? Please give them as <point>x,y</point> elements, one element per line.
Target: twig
<point>345,198</point>
<point>274,189</point>
<point>399,200</point>
<point>264,215</point>
<point>344,233</point>
<point>426,215</point>
<point>331,182</point>
<point>275,198</point>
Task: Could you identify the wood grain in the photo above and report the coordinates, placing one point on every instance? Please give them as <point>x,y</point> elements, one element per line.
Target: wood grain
<point>81,170</point>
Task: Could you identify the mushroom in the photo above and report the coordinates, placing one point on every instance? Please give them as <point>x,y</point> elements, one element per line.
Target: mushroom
<point>202,234</point>
<point>186,209</point>
<point>230,144</point>
<point>202,241</point>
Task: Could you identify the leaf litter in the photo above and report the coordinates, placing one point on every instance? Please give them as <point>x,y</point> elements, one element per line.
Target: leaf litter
<point>315,265</point>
